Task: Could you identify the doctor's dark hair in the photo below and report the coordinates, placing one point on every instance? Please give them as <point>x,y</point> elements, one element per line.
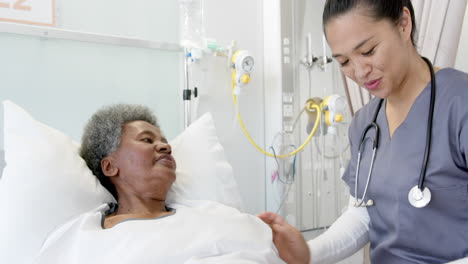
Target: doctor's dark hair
<point>378,9</point>
<point>102,133</point>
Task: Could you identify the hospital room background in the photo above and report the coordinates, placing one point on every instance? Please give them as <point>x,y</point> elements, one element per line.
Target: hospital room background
<point>94,53</point>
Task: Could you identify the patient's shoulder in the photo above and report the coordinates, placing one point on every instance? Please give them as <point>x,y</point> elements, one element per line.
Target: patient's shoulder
<point>208,211</point>
<point>56,234</point>
<point>95,213</point>
<point>203,205</point>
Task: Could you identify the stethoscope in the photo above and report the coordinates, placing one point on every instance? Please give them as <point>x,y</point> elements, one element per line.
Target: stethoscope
<point>420,195</point>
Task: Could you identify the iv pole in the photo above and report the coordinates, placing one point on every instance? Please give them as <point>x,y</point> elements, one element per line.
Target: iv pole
<point>186,92</point>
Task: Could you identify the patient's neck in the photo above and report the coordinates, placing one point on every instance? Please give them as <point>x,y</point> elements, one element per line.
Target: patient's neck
<point>133,207</point>
<point>145,207</point>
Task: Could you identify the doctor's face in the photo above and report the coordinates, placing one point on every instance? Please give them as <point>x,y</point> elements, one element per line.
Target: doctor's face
<point>373,53</point>
<point>143,158</point>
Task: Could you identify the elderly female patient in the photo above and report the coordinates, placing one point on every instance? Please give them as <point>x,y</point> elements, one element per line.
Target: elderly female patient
<point>125,149</point>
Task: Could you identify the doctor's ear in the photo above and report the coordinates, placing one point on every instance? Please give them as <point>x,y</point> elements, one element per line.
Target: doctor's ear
<point>406,25</point>
<point>108,166</point>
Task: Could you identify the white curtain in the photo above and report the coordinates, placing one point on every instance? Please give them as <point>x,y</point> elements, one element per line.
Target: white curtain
<point>439,24</point>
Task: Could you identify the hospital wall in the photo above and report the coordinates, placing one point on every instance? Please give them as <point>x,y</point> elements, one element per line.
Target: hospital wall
<point>225,21</point>
<point>61,82</point>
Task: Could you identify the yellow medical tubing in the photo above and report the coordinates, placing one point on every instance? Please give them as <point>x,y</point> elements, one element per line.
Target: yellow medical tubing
<point>241,123</point>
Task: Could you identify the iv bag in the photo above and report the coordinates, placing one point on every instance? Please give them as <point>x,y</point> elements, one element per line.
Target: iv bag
<point>192,31</point>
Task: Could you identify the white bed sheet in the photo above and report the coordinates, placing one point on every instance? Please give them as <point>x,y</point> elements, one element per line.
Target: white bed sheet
<point>200,232</point>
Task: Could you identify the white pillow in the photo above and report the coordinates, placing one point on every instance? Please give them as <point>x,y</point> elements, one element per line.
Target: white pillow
<point>45,181</point>
<point>202,170</point>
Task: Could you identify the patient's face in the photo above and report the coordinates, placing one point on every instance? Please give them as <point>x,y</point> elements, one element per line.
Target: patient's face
<point>146,166</point>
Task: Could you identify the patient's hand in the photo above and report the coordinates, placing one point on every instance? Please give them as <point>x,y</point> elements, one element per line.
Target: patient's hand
<point>289,241</point>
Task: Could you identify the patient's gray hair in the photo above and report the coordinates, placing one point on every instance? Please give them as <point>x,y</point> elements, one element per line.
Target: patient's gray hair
<point>101,135</point>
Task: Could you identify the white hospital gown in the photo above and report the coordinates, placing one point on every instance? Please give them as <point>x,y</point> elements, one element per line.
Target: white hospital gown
<point>207,233</point>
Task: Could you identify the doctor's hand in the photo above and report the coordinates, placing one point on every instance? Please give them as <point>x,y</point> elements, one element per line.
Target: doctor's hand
<point>289,241</point>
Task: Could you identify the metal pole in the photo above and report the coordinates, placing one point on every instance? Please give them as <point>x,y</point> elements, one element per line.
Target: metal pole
<point>186,92</point>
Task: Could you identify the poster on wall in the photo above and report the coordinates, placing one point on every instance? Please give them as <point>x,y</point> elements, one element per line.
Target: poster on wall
<point>35,12</point>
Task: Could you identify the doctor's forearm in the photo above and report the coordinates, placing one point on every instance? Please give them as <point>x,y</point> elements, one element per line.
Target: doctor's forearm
<point>348,234</point>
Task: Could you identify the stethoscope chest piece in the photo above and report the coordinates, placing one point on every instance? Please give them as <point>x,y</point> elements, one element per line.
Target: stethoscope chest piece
<point>418,198</point>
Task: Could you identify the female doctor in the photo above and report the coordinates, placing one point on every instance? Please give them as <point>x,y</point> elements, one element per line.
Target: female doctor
<point>408,174</point>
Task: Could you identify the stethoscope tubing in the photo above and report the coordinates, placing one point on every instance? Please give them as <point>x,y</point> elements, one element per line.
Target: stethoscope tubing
<point>422,175</point>
<point>375,146</point>
<point>359,202</point>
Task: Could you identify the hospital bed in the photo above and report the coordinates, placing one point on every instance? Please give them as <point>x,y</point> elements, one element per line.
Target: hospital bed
<point>46,178</point>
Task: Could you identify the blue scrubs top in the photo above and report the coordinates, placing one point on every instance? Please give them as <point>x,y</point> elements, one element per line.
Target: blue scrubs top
<point>399,232</point>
